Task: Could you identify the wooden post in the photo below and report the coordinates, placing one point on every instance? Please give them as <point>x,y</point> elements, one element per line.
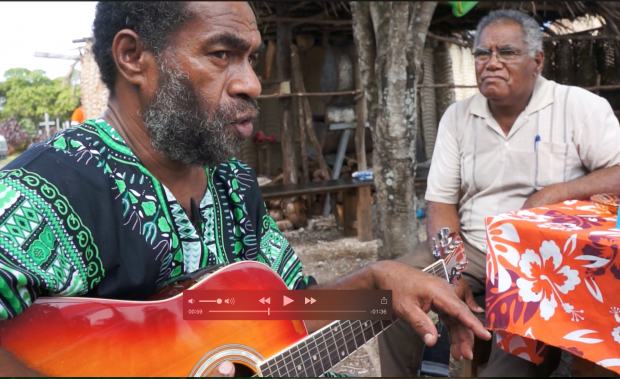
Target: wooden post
<point>364,198</point>
<point>299,83</point>
<point>300,113</point>
<point>269,56</point>
<point>283,68</point>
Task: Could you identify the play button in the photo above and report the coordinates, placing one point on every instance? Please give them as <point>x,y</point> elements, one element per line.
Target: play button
<point>287,300</point>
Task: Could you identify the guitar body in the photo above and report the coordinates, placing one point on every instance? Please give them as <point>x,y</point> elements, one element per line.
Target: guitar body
<point>101,337</point>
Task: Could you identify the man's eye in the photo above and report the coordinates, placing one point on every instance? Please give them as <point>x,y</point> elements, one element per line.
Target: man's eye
<point>507,53</point>
<point>253,60</point>
<point>220,54</point>
<point>479,54</point>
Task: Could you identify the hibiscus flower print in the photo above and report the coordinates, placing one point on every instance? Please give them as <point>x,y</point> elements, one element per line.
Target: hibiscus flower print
<point>616,334</point>
<point>545,278</point>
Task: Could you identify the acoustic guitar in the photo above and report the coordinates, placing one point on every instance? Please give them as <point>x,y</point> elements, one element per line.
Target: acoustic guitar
<point>101,337</point>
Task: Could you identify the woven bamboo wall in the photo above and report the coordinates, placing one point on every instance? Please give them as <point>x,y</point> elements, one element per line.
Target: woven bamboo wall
<point>443,74</point>
<point>463,71</point>
<point>429,104</point>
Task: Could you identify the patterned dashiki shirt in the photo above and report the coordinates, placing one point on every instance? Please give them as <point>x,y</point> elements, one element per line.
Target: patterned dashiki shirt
<point>80,215</point>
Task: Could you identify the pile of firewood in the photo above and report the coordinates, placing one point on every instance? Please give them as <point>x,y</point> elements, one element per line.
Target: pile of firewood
<point>293,213</point>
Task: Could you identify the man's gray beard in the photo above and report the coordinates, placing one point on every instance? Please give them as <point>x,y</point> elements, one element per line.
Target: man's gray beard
<point>185,131</point>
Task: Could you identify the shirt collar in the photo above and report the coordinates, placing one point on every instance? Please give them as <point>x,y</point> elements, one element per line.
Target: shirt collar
<point>541,97</point>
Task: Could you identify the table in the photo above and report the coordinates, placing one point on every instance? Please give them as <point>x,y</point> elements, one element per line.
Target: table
<point>553,276</point>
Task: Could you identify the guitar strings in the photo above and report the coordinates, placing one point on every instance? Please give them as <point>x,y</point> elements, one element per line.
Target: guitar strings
<point>328,346</point>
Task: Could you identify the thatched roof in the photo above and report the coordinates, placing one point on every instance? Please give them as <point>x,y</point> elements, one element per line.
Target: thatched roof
<point>332,20</point>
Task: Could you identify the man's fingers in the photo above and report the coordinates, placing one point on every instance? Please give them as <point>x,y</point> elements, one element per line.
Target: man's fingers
<point>225,369</point>
<point>462,341</point>
<point>451,305</point>
<point>469,299</point>
<point>422,324</point>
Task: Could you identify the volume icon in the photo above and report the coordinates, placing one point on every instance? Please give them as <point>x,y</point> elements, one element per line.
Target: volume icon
<point>230,301</point>
<point>191,301</point>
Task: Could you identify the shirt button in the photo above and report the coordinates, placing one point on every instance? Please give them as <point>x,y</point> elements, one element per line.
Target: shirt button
<point>506,143</point>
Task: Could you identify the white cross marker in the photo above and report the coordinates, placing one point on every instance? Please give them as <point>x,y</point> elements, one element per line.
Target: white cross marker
<point>47,123</point>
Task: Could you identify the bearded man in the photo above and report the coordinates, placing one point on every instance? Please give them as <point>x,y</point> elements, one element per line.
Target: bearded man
<point>123,204</point>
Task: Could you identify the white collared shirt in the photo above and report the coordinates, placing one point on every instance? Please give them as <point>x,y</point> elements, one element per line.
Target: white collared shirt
<point>564,133</point>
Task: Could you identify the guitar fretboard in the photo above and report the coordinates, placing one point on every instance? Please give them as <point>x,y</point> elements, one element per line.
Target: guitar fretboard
<point>322,350</point>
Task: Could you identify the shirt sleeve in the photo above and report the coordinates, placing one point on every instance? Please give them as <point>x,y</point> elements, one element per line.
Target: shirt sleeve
<point>277,253</point>
<point>444,177</point>
<point>597,137</point>
<point>41,244</point>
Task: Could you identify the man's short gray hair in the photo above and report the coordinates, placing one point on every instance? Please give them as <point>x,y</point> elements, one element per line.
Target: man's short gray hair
<point>532,35</point>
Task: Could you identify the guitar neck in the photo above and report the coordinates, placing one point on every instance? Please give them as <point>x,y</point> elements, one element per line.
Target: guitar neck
<point>319,352</point>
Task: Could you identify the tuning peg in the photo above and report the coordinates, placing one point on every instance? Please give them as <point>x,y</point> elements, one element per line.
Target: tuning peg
<point>435,249</point>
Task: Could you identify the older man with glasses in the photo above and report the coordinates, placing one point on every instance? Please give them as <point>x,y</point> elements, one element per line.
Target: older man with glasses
<point>522,142</point>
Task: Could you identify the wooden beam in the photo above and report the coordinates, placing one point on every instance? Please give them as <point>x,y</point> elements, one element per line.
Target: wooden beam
<point>309,94</point>
<point>307,20</point>
<point>448,39</point>
<point>56,56</point>
<point>610,87</point>
<point>283,68</point>
<point>586,37</point>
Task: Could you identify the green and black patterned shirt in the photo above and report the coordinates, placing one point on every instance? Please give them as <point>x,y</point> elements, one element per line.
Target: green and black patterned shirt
<point>80,215</point>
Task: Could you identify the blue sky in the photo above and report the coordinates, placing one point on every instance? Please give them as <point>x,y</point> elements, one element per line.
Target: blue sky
<point>28,27</point>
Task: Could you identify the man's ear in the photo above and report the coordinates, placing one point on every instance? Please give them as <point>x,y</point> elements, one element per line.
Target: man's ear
<point>539,60</point>
<point>133,63</point>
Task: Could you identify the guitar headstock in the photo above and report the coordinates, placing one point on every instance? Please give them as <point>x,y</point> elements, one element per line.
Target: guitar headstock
<point>452,251</point>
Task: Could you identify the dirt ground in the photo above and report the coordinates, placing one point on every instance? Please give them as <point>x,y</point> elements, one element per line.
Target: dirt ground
<point>326,254</point>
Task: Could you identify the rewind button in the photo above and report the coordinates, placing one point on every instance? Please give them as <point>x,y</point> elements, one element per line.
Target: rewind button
<point>267,300</point>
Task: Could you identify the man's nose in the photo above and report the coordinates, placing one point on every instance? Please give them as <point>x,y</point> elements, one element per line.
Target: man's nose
<point>494,63</point>
<point>245,82</point>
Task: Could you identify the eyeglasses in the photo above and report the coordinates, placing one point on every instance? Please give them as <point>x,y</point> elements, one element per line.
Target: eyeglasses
<point>482,56</point>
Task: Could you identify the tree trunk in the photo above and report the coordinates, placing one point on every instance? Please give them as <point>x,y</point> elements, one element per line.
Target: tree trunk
<point>283,67</point>
<point>390,39</point>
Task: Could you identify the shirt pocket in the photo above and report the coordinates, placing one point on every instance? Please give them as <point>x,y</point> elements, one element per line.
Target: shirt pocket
<point>550,163</point>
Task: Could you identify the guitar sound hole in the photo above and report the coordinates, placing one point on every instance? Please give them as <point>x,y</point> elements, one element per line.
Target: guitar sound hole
<point>243,371</point>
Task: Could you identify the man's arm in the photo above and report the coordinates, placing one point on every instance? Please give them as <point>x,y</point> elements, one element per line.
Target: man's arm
<point>414,293</point>
<point>596,136</point>
<point>606,180</point>
<point>441,215</point>
<point>10,366</point>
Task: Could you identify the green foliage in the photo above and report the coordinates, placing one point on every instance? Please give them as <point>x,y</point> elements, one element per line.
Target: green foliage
<point>28,95</point>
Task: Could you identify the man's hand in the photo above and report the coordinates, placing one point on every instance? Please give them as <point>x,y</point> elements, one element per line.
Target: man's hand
<point>225,369</point>
<point>10,366</point>
<point>551,194</point>
<point>414,293</point>
<point>464,293</point>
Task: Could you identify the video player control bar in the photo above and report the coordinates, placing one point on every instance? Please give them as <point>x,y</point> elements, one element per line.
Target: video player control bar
<point>287,305</point>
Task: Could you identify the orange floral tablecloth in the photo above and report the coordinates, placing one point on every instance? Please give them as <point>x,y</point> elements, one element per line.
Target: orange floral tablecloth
<point>553,276</point>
